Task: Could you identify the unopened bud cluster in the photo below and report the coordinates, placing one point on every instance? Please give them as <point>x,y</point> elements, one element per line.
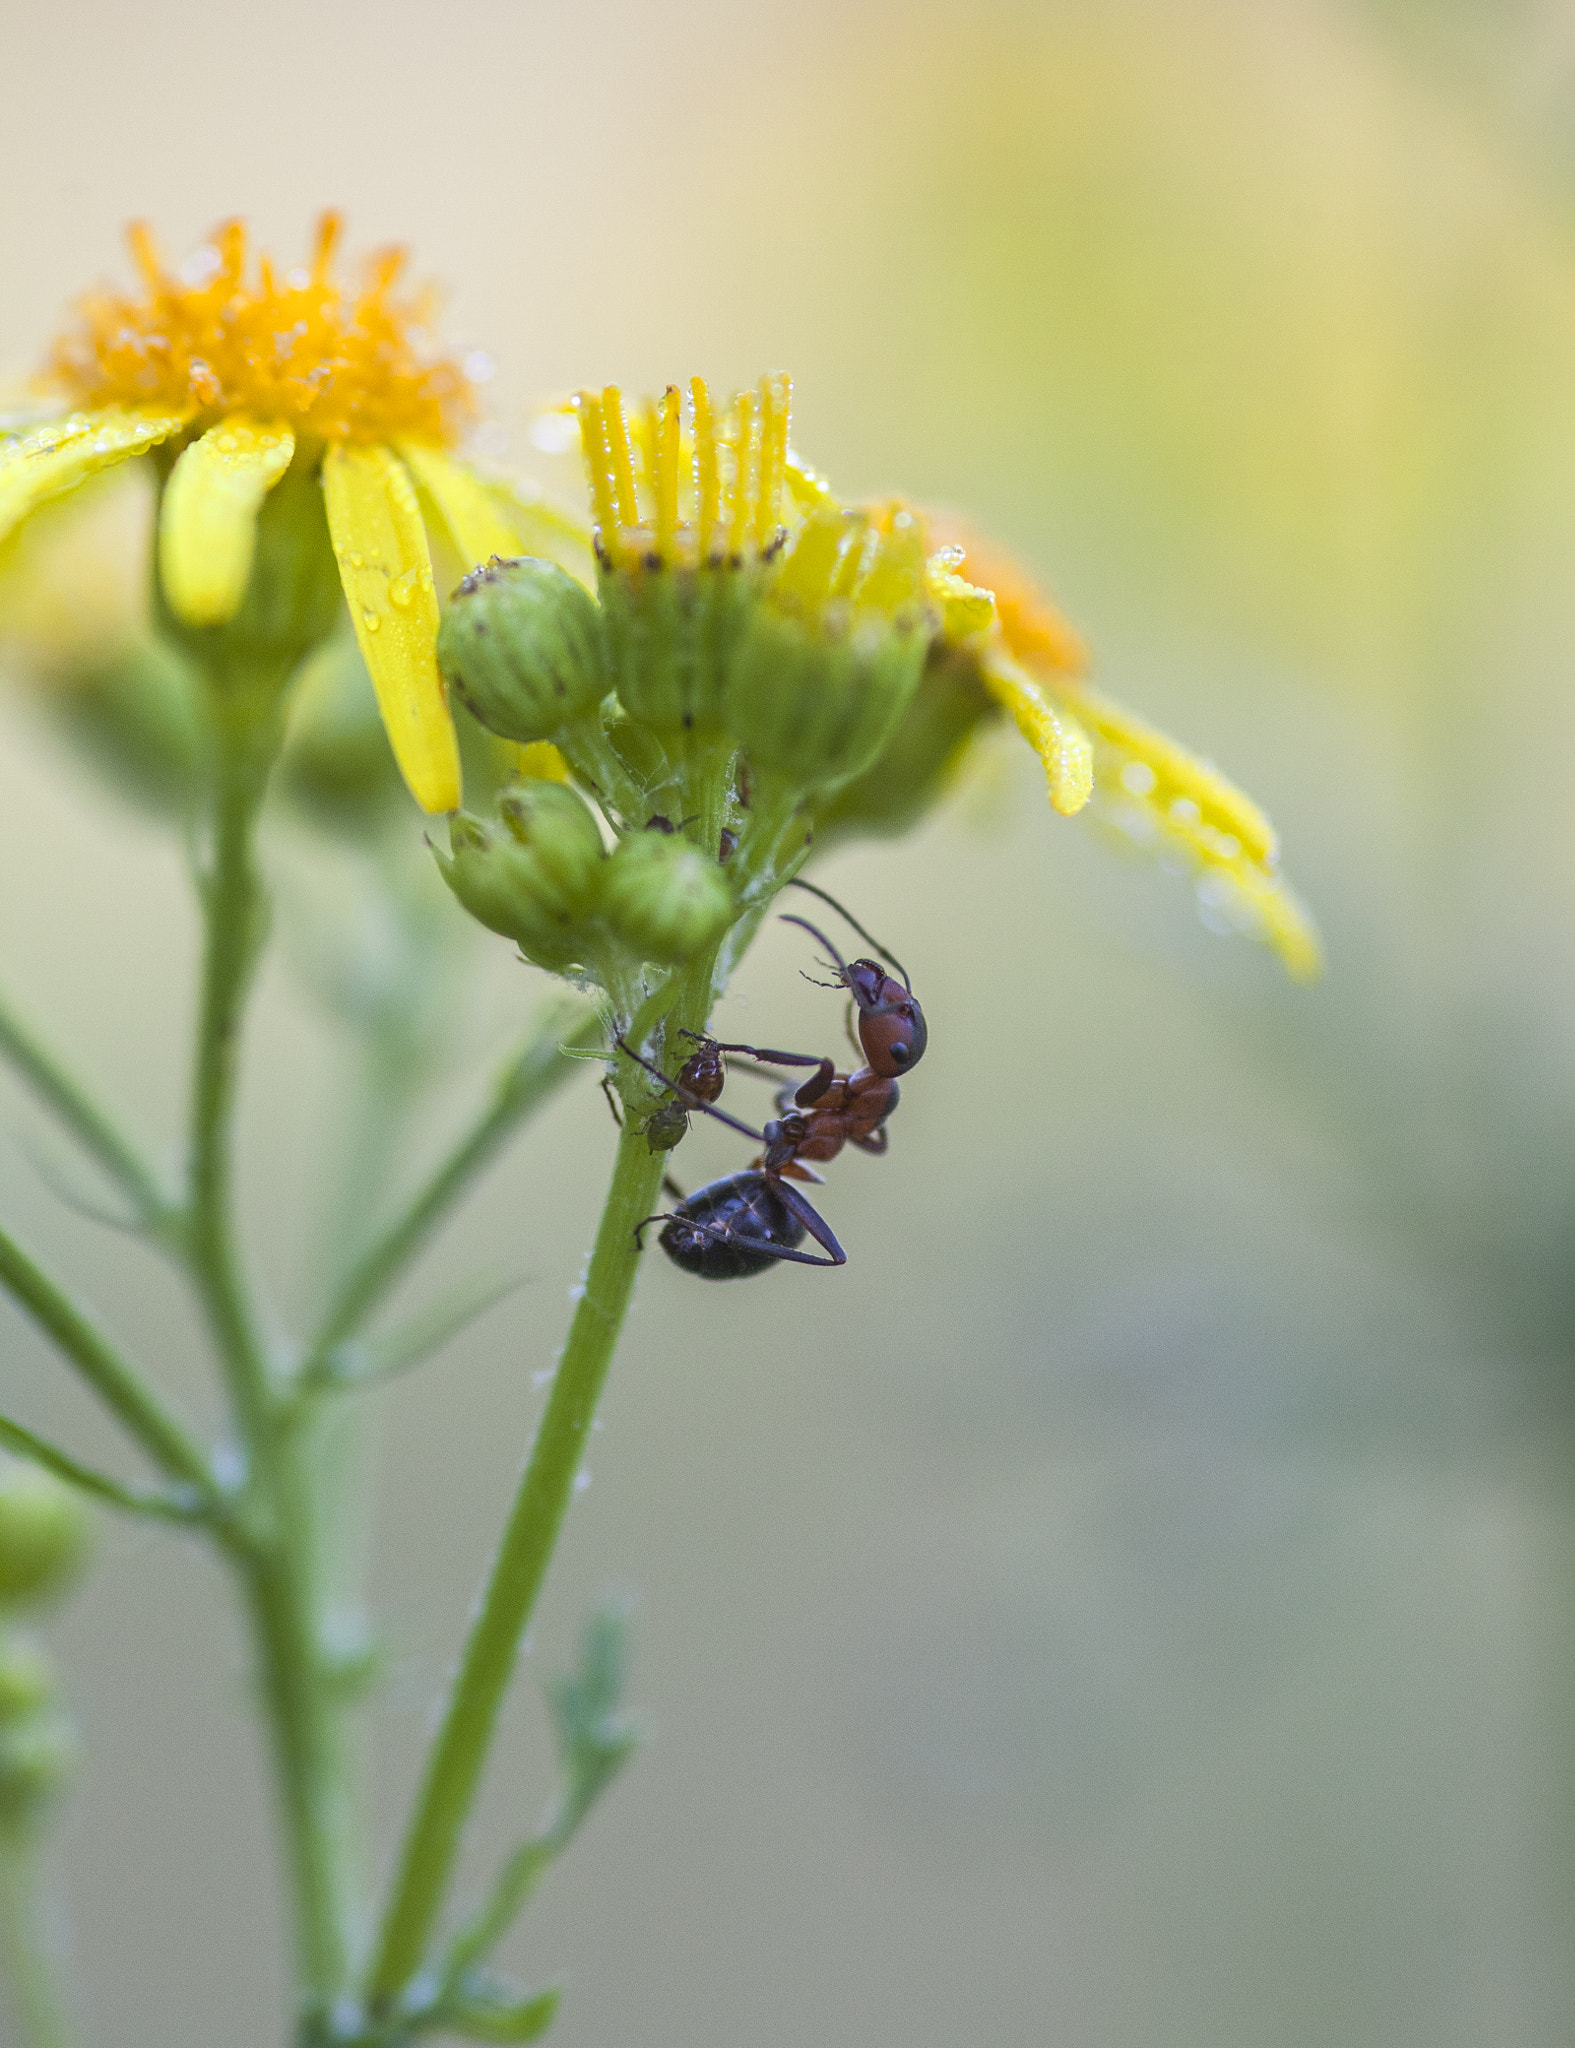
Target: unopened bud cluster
<point>750,651</point>
<point>43,1540</point>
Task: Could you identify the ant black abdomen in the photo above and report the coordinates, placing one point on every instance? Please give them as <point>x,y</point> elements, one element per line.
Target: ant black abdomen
<point>757,1225</point>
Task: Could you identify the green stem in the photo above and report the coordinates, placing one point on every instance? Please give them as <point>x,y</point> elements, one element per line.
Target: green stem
<point>118,1385</point>
<point>278,1560</point>
<point>460,1748</point>
<point>87,1123</point>
<point>530,1076</point>
<point>41,2014</point>
<point>234,906</point>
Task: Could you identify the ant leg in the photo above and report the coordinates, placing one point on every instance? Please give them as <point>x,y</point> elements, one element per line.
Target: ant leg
<point>719,1233</point>
<point>688,1100</point>
<point>612,1100</point>
<point>661,1216</point>
<point>817,1226</point>
<point>670,1187</point>
<point>877,1142</point>
<point>811,1090</point>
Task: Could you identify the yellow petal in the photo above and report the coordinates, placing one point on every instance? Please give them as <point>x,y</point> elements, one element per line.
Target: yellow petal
<point>208,517</point>
<point>458,503</point>
<point>540,759</point>
<point>965,608</point>
<point>1181,778</point>
<point>1271,912</point>
<point>811,492</point>
<point>56,458</point>
<point>1055,736</point>
<point>540,527</point>
<point>387,575</point>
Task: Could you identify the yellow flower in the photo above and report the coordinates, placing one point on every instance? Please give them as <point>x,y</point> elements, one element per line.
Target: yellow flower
<point>236,379</point>
<point>1153,791</point>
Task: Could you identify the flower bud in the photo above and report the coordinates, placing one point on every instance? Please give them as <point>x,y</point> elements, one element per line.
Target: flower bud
<point>36,1755</point>
<point>914,768</point>
<point>522,646</point>
<point>534,874</point>
<point>826,669</point>
<point>665,898</point>
<point>27,1681</point>
<point>43,1536</point>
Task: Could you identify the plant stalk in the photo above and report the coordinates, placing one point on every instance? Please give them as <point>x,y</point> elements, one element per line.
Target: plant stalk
<point>277,1554</point>
<point>459,1750</point>
<point>40,2007</point>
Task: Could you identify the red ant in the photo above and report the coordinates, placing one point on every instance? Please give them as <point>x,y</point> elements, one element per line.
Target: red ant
<point>746,1221</point>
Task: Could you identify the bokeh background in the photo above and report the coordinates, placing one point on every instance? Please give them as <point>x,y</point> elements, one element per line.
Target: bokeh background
<point>1134,1604</point>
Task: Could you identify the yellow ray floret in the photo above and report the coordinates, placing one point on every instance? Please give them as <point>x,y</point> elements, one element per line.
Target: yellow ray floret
<point>458,504</point>
<point>1159,794</point>
<point>53,459</point>
<point>208,516</point>
<point>387,574</point>
<point>702,492</point>
<point>1051,730</point>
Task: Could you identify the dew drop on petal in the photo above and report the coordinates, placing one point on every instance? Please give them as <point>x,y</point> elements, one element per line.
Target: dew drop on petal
<point>370,620</point>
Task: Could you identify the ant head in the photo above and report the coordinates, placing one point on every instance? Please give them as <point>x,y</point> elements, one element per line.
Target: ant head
<point>891,1024</point>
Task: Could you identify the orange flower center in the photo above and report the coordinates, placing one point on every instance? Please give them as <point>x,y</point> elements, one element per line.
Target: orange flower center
<point>337,365</point>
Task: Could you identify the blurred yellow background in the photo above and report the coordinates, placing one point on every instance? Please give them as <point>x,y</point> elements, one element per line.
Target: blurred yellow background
<point>1131,1606</point>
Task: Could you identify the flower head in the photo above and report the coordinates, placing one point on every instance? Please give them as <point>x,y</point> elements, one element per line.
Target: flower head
<point>240,377</point>
<point>770,663</point>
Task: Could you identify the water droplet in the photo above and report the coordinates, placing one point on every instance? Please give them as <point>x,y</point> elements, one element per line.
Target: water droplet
<point>403,588</point>
<point>371,621</point>
<point>357,561</point>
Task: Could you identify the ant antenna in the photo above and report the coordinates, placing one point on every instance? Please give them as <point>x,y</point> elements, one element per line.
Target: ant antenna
<point>842,967</point>
<point>794,882</point>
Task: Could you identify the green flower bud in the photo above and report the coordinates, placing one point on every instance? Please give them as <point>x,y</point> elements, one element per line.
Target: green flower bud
<point>36,1756</point>
<point>523,648</point>
<point>826,669</point>
<point>27,1681</point>
<point>665,898</point>
<point>672,632</point>
<point>534,874</point>
<point>912,770</point>
<point>43,1536</point>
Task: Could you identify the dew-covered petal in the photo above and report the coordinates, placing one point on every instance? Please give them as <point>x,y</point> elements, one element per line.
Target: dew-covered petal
<point>386,570</point>
<point>1265,908</point>
<point>1180,776</point>
<point>458,503</point>
<point>1166,801</point>
<point>50,460</point>
<point>1052,732</point>
<point>208,516</point>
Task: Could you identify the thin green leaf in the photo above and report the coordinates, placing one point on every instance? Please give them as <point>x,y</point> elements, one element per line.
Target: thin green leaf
<point>382,1358</point>
<point>184,1505</point>
<point>487,2013</point>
